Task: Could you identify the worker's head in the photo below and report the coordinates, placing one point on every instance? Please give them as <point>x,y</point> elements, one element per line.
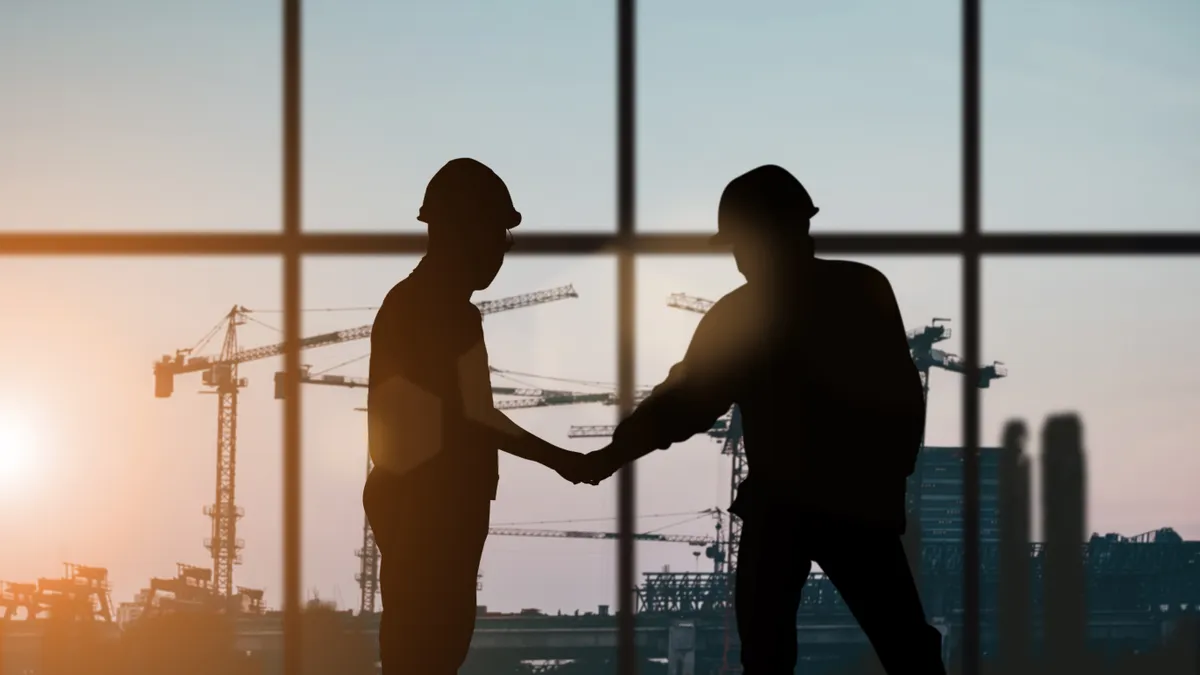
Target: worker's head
<point>764,217</point>
<point>470,216</point>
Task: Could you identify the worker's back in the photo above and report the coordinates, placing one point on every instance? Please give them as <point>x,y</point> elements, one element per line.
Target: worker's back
<point>832,405</point>
<point>418,338</point>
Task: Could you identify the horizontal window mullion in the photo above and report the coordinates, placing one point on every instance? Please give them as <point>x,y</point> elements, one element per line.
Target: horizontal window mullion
<point>567,243</point>
<point>139,243</point>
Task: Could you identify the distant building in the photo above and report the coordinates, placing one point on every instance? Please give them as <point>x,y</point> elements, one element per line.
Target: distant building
<point>936,494</point>
<point>130,611</point>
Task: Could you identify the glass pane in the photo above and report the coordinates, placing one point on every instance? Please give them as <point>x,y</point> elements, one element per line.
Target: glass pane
<point>106,466</point>
<point>681,580</point>
<point>860,100</point>
<point>551,343</point>
<point>140,116</point>
<point>394,91</point>
<point>1113,343</point>
<point>1089,116</point>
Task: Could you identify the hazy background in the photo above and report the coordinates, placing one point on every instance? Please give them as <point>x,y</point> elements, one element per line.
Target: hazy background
<point>138,115</point>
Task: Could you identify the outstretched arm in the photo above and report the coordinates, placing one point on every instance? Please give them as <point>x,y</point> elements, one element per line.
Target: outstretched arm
<point>482,419</point>
<point>697,391</point>
<point>418,430</point>
<point>420,401</point>
<point>510,437</point>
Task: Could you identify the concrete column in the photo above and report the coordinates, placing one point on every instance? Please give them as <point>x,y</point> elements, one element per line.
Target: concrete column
<point>1014,592</point>
<point>1064,504</point>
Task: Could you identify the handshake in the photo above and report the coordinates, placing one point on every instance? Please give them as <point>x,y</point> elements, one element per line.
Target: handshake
<point>590,468</point>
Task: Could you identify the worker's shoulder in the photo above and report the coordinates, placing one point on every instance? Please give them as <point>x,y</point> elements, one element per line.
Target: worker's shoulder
<point>398,297</point>
<point>854,276</point>
<point>850,270</point>
<point>731,304</point>
<point>736,312</point>
<point>399,306</point>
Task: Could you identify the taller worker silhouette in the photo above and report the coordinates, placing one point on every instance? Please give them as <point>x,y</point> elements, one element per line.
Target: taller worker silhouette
<point>433,427</point>
<point>814,354</point>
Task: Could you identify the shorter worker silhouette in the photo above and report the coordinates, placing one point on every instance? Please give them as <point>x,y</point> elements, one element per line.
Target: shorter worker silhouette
<point>814,354</point>
<point>434,430</point>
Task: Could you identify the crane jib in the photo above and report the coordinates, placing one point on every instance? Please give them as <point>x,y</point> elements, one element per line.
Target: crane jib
<point>191,365</point>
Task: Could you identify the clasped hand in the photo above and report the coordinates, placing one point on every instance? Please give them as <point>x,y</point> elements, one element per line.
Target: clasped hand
<point>590,468</point>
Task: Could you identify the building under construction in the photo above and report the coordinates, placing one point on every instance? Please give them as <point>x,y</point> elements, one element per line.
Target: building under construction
<point>935,495</point>
<point>1136,588</point>
<point>82,594</point>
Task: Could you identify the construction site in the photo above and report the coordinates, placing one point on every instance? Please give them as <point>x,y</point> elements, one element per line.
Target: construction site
<point>1137,588</point>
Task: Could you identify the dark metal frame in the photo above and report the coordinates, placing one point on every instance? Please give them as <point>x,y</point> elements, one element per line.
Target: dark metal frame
<point>292,244</point>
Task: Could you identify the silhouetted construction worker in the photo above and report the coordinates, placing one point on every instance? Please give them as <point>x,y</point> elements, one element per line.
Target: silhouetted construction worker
<point>815,355</point>
<point>433,427</point>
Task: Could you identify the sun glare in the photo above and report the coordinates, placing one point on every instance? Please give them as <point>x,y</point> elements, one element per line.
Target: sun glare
<point>16,448</point>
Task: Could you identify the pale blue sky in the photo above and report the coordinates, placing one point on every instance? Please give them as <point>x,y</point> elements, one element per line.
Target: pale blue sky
<point>138,115</point>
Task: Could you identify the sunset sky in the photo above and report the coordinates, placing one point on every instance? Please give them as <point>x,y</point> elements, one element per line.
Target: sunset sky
<point>138,115</point>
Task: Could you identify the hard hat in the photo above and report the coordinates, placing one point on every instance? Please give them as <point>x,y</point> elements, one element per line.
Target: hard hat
<point>467,192</point>
<point>765,198</point>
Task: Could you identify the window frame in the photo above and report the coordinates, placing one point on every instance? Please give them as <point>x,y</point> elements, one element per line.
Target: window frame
<point>292,244</point>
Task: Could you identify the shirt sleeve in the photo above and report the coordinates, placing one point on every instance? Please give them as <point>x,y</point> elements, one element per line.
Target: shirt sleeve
<point>697,390</point>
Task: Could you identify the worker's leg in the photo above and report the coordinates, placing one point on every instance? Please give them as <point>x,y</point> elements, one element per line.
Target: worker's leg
<point>770,576</point>
<point>430,557</point>
<point>871,572</point>
<point>461,566</point>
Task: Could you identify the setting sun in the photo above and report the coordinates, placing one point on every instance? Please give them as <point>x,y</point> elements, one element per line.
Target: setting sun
<point>16,448</point>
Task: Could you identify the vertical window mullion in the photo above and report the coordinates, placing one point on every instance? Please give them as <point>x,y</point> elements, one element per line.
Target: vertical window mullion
<point>626,340</point>
<point>971,201</point>
<point>292,185</point>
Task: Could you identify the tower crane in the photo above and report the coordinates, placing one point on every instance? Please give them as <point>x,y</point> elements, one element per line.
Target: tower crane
<point>219,374</point>
<point>920,343</point>
<point>692,591</point>
<point>526,397</point>
<point>719,430</point>
<point>712,545</point>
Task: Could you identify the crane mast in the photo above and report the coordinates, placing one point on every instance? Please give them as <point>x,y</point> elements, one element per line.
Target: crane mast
<point>224,544</point>
<point>220,375</point>
<point>368,562</point>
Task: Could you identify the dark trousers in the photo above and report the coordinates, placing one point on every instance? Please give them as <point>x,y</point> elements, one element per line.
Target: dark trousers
<point>867,565</point>
<point>430,550</point>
